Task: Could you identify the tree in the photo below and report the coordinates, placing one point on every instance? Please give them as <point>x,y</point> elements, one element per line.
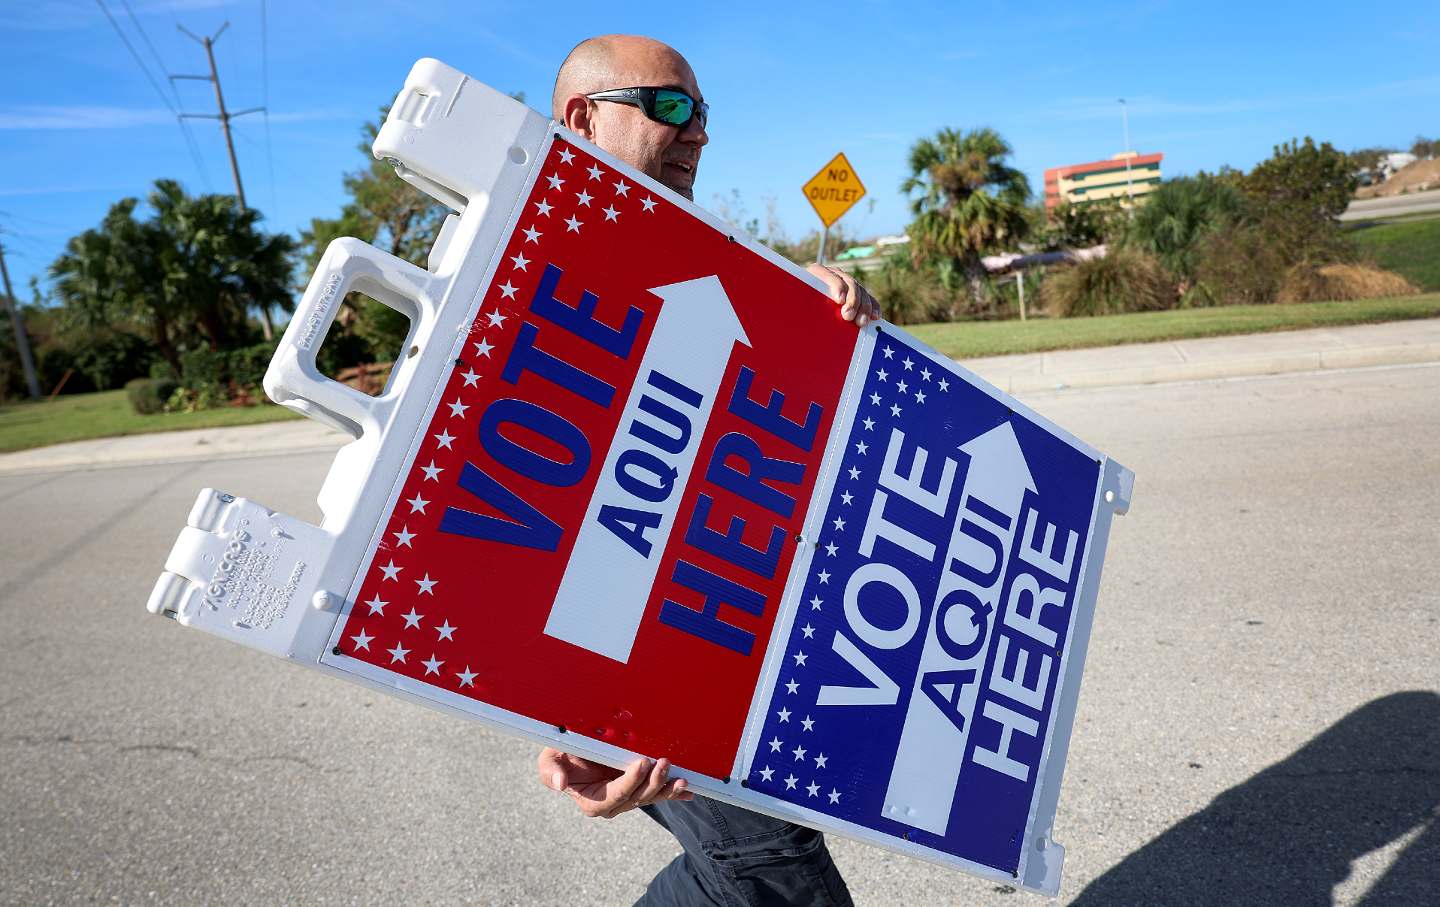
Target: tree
<point>1177,215</point>
<point>1425,148</point>
<point>968,202</point>
<point>1298,195</point>
<point>193,269</point>
<point>1081,226</point>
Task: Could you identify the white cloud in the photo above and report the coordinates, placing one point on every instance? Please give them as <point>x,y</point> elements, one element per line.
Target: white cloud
<point>60,117</point>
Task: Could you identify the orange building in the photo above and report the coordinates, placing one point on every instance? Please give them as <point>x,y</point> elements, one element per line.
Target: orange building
<point>1081,184</point>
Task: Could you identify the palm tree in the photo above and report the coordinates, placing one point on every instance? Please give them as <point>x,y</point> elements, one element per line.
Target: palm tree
<point>968,201</point>
<point>1180,213</point>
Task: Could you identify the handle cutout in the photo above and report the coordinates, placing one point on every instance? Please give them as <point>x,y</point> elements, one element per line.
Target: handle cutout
<point>368,341</point>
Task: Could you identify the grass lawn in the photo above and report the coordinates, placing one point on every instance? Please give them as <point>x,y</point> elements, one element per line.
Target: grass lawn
<point>1411,249</point>
<point>970,339</point>
<point>82,416</point>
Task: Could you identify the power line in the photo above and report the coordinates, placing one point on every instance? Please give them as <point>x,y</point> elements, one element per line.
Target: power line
<point>190,142</point>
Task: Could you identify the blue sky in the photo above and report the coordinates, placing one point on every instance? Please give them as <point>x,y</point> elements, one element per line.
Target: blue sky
<point>789,85</point>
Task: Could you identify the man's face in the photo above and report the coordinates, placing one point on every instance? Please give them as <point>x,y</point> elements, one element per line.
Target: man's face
<point>669,154</point>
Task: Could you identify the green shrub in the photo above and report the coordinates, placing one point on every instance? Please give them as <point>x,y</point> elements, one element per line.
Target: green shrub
<point>1126,280</point>
<point>1238,266</point>
<point>149,395</point>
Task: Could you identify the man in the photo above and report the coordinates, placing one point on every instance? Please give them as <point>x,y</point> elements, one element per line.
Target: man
<point>732,855</point>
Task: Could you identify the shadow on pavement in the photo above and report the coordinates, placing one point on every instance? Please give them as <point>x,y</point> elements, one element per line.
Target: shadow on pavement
<point>1289,834</point>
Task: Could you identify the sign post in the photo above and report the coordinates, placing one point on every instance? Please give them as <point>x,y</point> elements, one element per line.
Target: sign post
<point>674,506</point>
<point>832,192</point>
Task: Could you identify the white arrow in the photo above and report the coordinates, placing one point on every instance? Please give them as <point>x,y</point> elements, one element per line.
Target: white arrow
<point>607,582</point>
<point>932,743</point>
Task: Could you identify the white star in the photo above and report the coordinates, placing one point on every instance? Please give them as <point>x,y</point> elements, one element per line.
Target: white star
<point>595,171</point>
<point>824,578</point>
<point>532,235</point>
<point>403,537</point>
<point>648,204</point>
<point>894,409</point>
<point>496,319</point>
<point>790,782</point>
<point>567,155</point>
<point>846,497</point>
<point>901,387</point>
<point>820,760</point>
<point>919,396</point>
<point>944,385</point>
<point>555,181</point>
<point>610,213</point>
<point>470,377</point>
<point>457,409</point>
<point>807,723</point>
<point>417,503</point>
<point>520,260</point>
<point>815,603</point>
<point>799,752</point>
<point>861,447</point>
<point>443,439</point>
<point>433,665</point>
<point>390,570</point>
<point>427,585</point>
<point>792,686</point>
<point>775,745</point>
<point>875,398</point>
<point>412,620</point>
<point>783,715</point>
<point>889,352</point>
<point>398,654</point>
<point>831,548</point>
<point>800,659</point>
<point>813,788</point>
<point>766,773</point>
<point>869,424</point>
<point>483,348</point>
<point>854,473</point>
<point>544,207</point>
<point>925,373</point>
<point>882,375</point>
<point>621,188</point>
<point>467,677</point>
<point>838,522</point>
<point>446,631</point>
<point>809,632</point>
<point>908,363</point>
<point>362,641</point>
<point>583,198</point>
<point>376,605</point>
<point>834,795</point>
<point>572,224</point>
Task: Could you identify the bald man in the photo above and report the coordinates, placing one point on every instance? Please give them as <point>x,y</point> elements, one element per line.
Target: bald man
<point>639,100</point>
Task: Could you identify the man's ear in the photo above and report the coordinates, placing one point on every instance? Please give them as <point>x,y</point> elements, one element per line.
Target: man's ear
<point>577,117</point>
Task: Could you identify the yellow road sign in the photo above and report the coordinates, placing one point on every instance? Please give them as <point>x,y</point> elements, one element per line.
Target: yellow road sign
<point>834,190</point>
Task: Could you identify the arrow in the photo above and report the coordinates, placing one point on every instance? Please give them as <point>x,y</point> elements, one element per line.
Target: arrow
<point>937,721</point>
<point>608,578</point>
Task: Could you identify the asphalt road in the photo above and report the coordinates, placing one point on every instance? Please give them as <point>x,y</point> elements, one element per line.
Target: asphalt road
<point>1259,721</point>
<point>1393,206</point>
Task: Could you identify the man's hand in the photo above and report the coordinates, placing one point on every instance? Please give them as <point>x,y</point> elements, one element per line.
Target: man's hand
<point>856,303</point>
<point>605,792</point>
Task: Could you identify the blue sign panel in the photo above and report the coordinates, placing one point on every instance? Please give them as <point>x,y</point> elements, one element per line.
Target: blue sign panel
<point>916,692</point>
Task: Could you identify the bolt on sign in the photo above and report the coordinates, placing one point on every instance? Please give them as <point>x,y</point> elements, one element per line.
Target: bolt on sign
<point>612,505</point>
<point>834,190</point>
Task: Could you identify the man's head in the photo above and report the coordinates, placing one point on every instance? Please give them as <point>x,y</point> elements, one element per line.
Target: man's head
<point>667,153</point>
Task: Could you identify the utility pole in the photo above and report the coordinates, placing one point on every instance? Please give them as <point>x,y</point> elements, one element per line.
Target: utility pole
<point>1129,186</point>
<point>22,340</point>
<point>225,117</point>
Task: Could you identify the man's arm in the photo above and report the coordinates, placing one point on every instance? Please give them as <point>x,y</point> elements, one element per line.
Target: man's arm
<point>604,792</point>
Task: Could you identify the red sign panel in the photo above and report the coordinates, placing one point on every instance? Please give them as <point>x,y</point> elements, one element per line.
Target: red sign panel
<point>596,528</point>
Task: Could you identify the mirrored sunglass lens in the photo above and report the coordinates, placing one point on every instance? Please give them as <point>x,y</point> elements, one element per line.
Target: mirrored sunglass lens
<point>672,107</point>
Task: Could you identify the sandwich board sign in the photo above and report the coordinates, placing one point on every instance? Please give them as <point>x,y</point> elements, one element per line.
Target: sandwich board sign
<point>638,490</point>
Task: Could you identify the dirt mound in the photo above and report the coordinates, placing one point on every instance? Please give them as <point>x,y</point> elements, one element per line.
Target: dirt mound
<point>1326,283</point>
<point>1417,177</point>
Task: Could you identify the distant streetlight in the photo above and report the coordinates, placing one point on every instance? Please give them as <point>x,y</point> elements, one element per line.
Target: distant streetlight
<point>1129,186</point>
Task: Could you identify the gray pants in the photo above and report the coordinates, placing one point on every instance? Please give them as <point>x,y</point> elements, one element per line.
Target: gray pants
<point>737,858</point>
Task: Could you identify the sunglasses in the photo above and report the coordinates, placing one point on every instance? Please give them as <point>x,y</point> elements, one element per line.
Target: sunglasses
<point>663,105</point>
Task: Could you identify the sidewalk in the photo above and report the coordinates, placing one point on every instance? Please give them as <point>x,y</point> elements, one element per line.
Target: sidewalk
<point>1393,343</point>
